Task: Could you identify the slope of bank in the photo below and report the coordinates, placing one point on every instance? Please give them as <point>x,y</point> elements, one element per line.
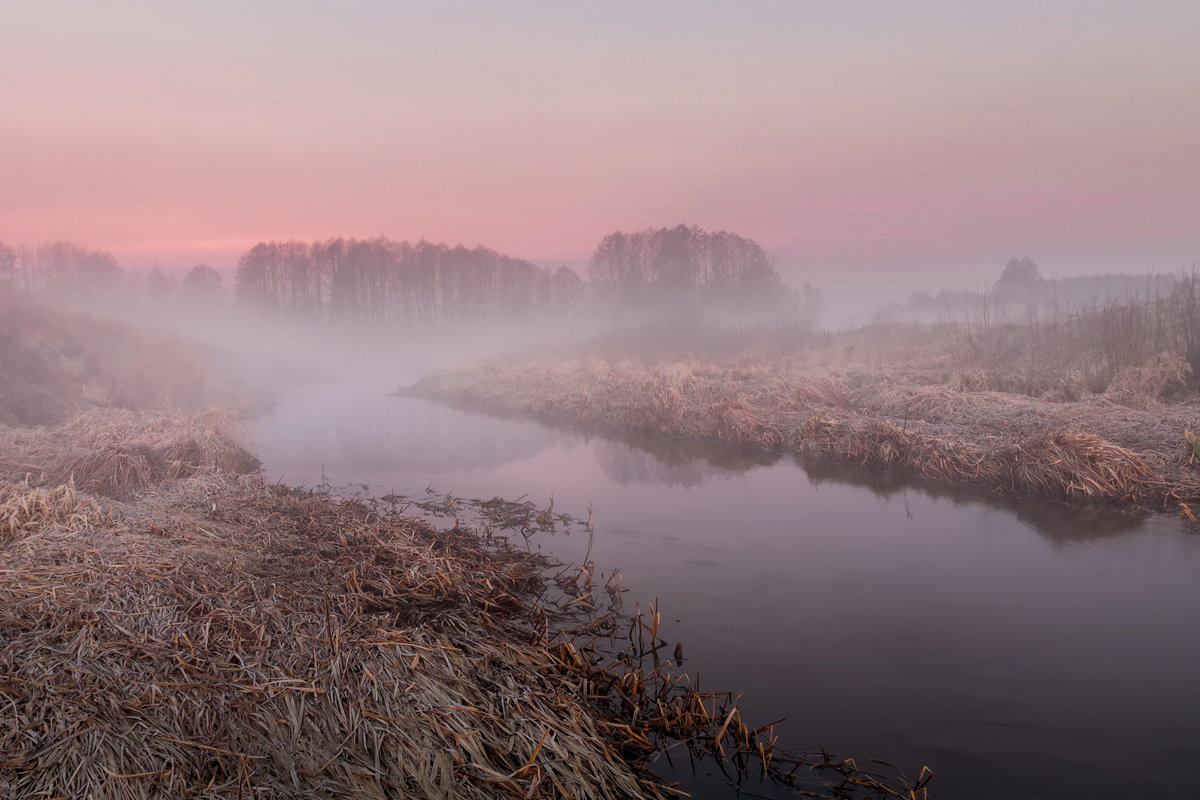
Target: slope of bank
<point>173,626</point>
<point>55,364</point>
<point>1093,449</point>
<point>213,635</point>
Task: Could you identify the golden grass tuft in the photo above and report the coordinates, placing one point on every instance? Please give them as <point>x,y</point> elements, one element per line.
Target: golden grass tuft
<point>24,509</point>
<point>208,441</point>
<point>119,453</point>
<point>1146,385</point>
<point>822,391</point>
<point>113,471</point>
<point>885,443</point>
<point>739,421</point>
<point>1075,466</point>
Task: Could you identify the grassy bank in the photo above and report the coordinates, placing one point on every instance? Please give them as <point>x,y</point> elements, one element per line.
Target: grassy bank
<point>905,397</point>
<point>216,635</point>
<point>173,626</point>
<point>55,364</point>
<point>205,634</point>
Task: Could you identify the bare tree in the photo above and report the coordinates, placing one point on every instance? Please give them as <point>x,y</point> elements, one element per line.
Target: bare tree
<point>682,268</point>
<point>201,285</point>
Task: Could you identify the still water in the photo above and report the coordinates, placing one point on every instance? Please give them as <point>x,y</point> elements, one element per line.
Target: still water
<point>1018,649</point>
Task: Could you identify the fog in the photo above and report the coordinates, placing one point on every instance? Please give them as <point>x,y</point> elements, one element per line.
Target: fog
<point>342,307</point>
<point>861,342</point>
<point>654,394</point>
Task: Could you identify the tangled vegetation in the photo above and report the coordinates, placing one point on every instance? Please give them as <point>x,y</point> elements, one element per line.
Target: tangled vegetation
<point>911,397</point>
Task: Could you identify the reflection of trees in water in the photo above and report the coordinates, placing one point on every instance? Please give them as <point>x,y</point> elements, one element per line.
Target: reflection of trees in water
<point>404,435</point>
<point>670,462</point>
<point>1059,522</point>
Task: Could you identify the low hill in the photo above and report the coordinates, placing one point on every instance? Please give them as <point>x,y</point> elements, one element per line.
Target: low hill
<point>54,365</point>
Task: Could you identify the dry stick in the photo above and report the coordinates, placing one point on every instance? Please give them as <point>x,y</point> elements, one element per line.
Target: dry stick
<point>721,732</point>
<point>533,757</point>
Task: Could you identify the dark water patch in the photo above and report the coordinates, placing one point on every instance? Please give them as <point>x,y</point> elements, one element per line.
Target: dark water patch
<point>1058,521</point>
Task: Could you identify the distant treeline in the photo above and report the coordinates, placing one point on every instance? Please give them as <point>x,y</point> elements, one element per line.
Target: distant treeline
<point>383,282</point>
<point>65,269</point>
<point>61,266</point>
<point>684,267</point>
<point>1020,290</point>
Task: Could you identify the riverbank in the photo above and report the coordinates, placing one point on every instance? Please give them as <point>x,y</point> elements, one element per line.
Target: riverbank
<point>918,413</point>
<point>205,633</point>
<point>174,626</point>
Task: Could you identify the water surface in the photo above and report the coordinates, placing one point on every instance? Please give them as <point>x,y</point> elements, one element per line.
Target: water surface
<point>1018,649</point>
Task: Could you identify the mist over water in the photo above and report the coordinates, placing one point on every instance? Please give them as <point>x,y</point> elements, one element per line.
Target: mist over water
<point>758,289</point>
<point>883,618</point>
<point>1015,646</point>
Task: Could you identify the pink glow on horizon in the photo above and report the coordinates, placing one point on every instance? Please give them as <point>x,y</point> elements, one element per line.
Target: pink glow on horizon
<point>539,130</point>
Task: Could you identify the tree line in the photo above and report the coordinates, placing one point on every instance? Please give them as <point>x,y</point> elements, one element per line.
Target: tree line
<point>66,269</point>
<point>376,282</point>
<point>684,267</point>
<point>1021,292</point>
<point>382,282</point>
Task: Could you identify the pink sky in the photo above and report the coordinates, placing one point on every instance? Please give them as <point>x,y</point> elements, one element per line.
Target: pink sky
<point>926,143</point>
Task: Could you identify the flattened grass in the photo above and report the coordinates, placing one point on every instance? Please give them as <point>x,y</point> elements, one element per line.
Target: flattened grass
<point>116,453</point>
<point>212,636</point>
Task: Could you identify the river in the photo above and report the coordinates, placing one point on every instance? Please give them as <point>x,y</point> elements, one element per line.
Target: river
<point>1017,648</point>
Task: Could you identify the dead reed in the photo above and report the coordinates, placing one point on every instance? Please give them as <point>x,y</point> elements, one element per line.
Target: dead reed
<point>215,636</point>
<point>116,453</point>
<point>920,422</point>
<point>24,509</point>
<point>1075,466</point>
<point>285,645</point>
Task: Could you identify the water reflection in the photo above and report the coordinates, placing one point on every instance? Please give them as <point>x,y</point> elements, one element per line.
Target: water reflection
<point>349,435</point>
<point>1061,523</point>
<point>1065,524</point>
<point>363,436</point>
<point>883,616</point>
<point>674,463</point>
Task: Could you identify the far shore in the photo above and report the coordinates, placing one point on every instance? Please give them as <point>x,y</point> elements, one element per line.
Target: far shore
<point>174,625</point>
<point>926,414</point>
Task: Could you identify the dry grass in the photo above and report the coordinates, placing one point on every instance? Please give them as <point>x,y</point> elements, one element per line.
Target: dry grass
<point>213,636</point>
<point>55,364</point>
<point>117,453</point>
<point>1077,466</point>
<point>24,509</point>
<point>1163,377</point>
<point>115,471</point>
<point>914,415</point>
<point>1138,349</point>
<point>282,645</point>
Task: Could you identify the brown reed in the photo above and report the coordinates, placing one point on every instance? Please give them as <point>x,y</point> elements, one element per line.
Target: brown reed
<point>921,423</point>
<point>215,636</point>
<point>116,453</point>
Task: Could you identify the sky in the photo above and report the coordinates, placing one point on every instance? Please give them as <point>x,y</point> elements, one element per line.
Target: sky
<point>871,146</point>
